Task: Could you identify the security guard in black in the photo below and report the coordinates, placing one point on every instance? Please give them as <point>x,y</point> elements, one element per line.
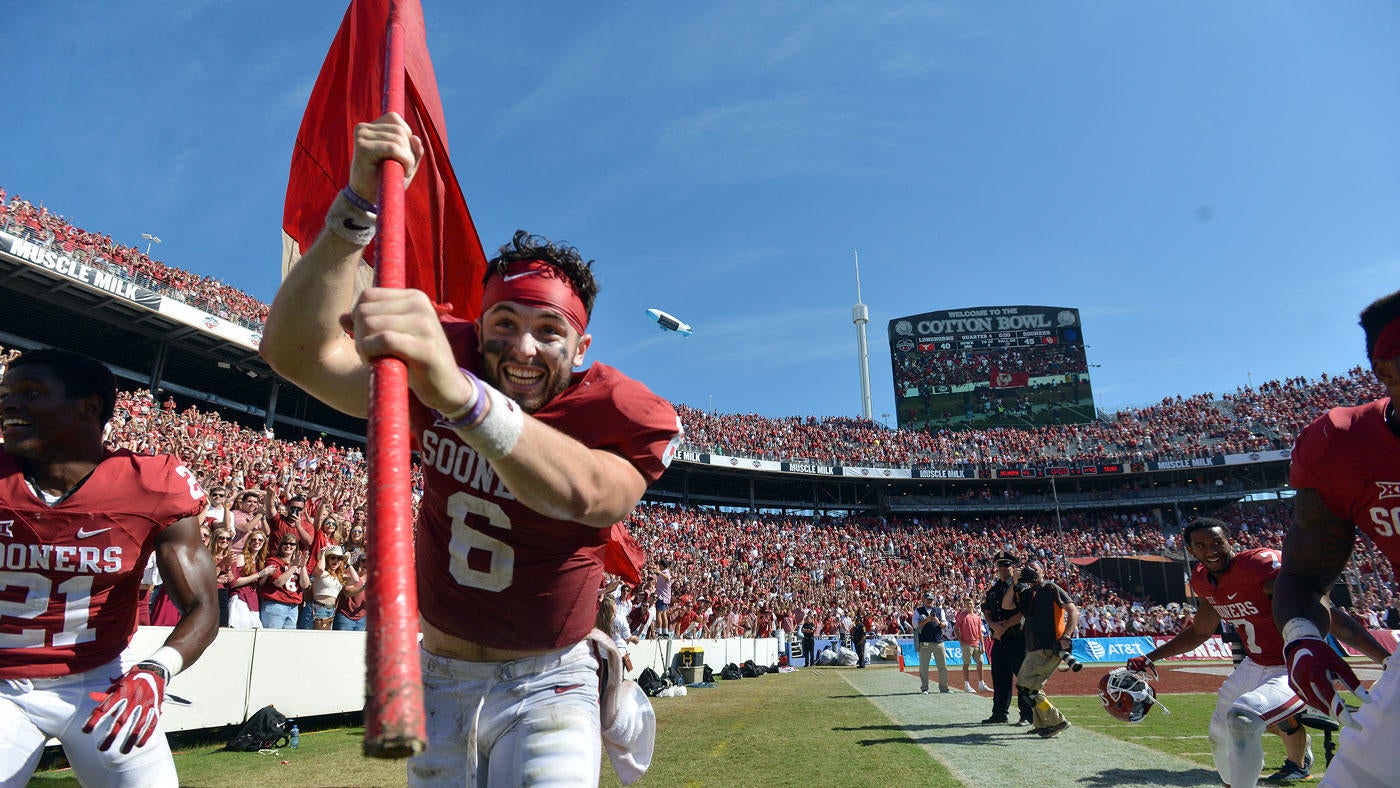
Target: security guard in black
<point>1009,649</point>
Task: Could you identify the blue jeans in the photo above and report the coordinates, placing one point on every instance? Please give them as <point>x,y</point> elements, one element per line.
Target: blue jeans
<point>344,624</point>
<point>304,616</point>
<point>278,615</point>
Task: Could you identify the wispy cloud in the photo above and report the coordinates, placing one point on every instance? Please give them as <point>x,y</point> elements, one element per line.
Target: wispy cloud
<point>800,133</point>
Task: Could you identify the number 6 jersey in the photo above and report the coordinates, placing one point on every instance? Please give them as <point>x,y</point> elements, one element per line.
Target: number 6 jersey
<point>70,574</point>
<point>490,569</point>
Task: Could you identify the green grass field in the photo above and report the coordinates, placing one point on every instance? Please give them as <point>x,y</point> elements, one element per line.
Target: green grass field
<point>799,729</point>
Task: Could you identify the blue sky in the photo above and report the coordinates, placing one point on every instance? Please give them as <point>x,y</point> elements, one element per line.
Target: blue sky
<point>1215,185</point>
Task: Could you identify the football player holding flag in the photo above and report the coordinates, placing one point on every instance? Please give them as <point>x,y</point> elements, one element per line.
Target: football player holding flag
<point>527,465</point>
<point>1346,469</point>
<point>77,525</point>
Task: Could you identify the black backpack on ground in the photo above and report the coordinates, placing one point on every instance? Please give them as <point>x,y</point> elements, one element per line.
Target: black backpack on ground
<point>650,682</point>
<point>731,672</point>
<point>673,675</point>
<point>265,730</point>
<point>709,677</point>
<point>750,670</point>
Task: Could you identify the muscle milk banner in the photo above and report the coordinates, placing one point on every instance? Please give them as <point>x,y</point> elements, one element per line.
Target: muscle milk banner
<point>58,262</point>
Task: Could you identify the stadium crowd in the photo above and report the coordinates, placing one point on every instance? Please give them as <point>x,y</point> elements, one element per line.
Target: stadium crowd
<point>293,512</point>
<point>299,506</point>
<point>1177,427</point>
<point>18,216</point>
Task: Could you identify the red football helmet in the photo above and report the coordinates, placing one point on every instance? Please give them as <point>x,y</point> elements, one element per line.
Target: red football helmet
<point>1127,696</point>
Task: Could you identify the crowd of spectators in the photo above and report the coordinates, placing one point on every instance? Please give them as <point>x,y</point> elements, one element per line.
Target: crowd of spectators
<point>732,572</point>
<point>1250,419</point>
<point>291,505</point>
<point>20,217</point>
<point>1179,427</point>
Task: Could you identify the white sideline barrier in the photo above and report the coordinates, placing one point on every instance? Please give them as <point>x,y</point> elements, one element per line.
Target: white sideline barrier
<point>305,673</point>
<point>661,654</point>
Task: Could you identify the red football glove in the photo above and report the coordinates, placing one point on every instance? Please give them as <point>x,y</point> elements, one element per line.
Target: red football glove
<point>1142,665</point>
<point>135,698</point>
<point>1314,670</point>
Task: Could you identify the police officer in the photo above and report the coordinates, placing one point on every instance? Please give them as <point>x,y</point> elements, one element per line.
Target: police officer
<point>809,640</point>
<point>1001,609</point>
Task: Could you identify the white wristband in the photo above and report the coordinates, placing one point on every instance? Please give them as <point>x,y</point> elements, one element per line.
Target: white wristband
<point>169,658</point>
<point>1300,628</point>
<point>351,222</point>
<point>496,435</point>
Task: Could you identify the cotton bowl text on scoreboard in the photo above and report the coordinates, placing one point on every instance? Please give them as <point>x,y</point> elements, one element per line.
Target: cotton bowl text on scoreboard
<point>984,328</point>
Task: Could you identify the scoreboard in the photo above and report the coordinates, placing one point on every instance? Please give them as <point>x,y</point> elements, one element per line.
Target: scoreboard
<point>990,366</point>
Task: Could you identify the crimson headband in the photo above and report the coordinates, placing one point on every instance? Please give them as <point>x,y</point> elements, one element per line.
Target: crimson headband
<point>537,284</point>
<point>1388,343</point>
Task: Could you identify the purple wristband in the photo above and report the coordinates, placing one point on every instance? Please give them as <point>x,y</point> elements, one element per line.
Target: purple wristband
<point>358,201</point>
<point>473,415</point>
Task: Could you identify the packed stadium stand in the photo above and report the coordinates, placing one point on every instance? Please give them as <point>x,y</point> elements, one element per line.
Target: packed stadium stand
<point>766,522</point>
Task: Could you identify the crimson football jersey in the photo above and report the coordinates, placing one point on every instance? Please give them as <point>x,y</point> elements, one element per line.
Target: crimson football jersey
<point>490,569</point>
<point>71,572</point>
<point>1352,459</point>
<point>269,590</point>
<point>1238,596</point>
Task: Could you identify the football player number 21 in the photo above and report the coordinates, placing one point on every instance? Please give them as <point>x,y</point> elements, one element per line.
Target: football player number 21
<point>38,589</point>
<point>499,556</point>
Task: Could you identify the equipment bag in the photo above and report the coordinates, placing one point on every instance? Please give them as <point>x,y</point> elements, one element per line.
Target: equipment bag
<point>265,730</point>
<point>730,672</point>
<point>650,682</point>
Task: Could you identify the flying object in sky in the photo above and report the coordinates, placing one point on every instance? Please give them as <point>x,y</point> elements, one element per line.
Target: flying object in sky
<point>669,322</point>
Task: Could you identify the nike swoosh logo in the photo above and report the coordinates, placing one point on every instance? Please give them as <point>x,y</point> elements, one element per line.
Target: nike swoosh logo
<point>560,690</point>
<point>1231,596</point>
<point>513,277</point>
<point>83,533</point>
<point>349,225</point>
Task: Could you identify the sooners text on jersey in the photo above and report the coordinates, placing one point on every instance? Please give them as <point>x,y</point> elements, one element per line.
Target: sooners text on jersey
<point>1352,459</point>
<point>1238,596</point>
<point>70,574</point>
<point>490,569</point>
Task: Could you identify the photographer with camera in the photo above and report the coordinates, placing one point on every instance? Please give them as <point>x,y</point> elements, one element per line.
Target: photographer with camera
<point>1050,616</point>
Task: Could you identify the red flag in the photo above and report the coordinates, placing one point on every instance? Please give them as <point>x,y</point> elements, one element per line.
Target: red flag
<point>444,256</point>
<point>622,556</point>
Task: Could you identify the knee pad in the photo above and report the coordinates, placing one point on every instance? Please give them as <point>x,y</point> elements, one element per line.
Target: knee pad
<point>1245,724</point>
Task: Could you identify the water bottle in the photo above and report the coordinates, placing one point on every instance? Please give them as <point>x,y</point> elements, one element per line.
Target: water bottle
<point>296,737</point>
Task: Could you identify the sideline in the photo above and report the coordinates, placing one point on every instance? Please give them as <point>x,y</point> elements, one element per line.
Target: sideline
<point>949,728</point>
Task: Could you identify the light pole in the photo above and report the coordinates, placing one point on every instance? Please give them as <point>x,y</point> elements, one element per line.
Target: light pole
<point>150,239</point>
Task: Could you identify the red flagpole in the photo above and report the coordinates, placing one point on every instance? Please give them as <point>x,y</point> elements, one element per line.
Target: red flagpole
<point>394,719</point>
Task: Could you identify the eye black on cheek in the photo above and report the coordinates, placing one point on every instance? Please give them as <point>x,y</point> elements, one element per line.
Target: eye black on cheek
<point>495,346</point>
